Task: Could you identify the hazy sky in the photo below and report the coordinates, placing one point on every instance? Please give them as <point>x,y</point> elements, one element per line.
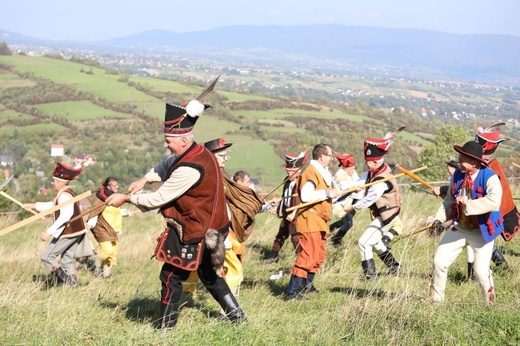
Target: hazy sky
<point>105,19</point>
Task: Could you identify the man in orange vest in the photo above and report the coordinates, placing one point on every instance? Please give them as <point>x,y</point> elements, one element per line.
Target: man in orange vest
<point>315,184</point>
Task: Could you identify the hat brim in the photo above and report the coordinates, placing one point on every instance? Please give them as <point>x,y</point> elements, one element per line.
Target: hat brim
<point>225,146</point>
<point>458,149</point>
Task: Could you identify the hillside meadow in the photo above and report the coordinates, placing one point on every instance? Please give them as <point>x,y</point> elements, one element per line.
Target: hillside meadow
<point>347,311</point>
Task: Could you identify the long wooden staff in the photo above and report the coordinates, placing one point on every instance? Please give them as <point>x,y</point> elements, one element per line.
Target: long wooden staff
<point>44,213</point>
<point>12,199</point>
<point>95,210</point>
<point>415,177</point>
<point>422,229</point>
<point>514,164</point>
<point>356,188</point>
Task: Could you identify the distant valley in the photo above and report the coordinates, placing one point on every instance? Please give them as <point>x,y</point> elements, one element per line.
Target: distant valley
<point>369,51</point>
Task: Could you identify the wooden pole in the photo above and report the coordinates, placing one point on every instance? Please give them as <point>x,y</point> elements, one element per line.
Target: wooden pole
<point>12,199</point>
<point>44,213</point>
<point>422,229</point>
<point>356,188</point>
<point>415,177</point>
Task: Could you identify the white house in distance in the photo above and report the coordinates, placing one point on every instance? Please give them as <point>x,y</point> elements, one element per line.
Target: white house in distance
<point>57,150</point>
<point>83,160</point>
<point>6,160</point>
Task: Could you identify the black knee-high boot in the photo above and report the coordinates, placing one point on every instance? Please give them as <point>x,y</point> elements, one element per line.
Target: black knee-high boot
<point>498,258</point>
<point>231,308</point>
<point>170,314</point>
<point>369,268</point>
<point>389,260</point>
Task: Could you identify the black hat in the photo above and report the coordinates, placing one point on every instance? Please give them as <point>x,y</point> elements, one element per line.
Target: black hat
<point>64,172</point>
<point>217,145</point>
<point>179,120</point>
<point>472,150</point>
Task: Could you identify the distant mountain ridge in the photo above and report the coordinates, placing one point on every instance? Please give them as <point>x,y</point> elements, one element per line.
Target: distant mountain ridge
<point>417,53</point>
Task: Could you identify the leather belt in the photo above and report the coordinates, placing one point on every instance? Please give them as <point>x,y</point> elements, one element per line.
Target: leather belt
<point>321,215</point>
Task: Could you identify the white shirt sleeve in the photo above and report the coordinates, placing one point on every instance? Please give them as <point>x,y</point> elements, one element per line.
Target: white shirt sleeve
<point>65,215</point>
<point>373,194</point>
<point>490,202</point>
<point>91,223</point>
<point>309,193</point>
<point>177,184</point>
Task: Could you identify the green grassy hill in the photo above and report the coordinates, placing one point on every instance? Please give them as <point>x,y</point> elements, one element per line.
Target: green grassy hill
<point>102,113</point>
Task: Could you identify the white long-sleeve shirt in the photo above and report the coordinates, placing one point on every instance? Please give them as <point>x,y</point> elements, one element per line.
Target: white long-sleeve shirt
<point>173,187</point>
<point>309,192</point>
<point>490,202</point>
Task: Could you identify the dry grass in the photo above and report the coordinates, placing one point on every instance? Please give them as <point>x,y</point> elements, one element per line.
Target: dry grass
<point>348,310</point>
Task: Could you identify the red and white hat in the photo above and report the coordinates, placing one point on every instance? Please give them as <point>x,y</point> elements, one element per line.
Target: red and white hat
<point>65,173</point>
<point>488,138</point>
<point>375,148</point>
<point>345,160</point>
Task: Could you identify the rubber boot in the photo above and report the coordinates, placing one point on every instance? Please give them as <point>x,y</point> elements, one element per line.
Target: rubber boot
<point>293,291</point>
<point>369,268</point>
<point>471,272</point>
<point>388,259</point>
<point>498,258</point>
<point>231,308</point>
<point>170,314</point>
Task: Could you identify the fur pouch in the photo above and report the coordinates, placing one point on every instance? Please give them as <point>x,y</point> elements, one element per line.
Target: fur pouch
<point>215,245</point>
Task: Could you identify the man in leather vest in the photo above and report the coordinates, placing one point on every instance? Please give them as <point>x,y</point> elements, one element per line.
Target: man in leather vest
<point>293,165</point>
<point>472,203</point>
<point>65,236</point>
<point>383,201</point>
<point>192,201</point>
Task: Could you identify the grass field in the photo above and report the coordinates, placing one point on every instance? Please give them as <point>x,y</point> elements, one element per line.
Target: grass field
<point>78,111</point>
<point>347,311</point>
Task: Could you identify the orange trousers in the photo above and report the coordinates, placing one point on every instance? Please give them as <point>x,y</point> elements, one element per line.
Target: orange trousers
<point>310,254</point>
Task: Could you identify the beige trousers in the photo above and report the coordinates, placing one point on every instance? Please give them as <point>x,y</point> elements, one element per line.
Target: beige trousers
<point>447,252</point>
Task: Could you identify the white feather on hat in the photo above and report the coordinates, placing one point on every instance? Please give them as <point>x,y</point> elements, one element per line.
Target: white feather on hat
<point>194,108</point>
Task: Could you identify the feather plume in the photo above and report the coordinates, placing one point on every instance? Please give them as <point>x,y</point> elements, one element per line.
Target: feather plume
<point>194,108</point>
<point>208,90</point>
<point>492,128</point>
<point>390,135</point>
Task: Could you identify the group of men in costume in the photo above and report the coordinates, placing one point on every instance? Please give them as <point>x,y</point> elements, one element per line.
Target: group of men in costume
<point>209,215</point>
